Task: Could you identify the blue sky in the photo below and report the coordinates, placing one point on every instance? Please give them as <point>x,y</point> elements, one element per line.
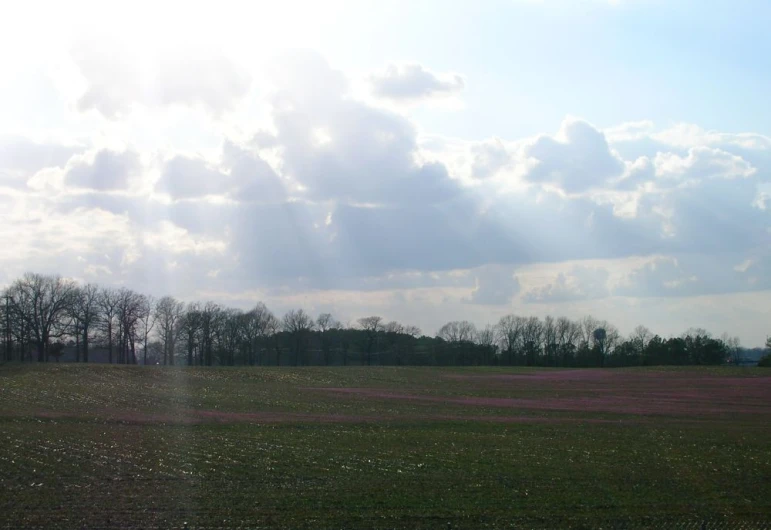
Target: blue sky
<point>425,161</point>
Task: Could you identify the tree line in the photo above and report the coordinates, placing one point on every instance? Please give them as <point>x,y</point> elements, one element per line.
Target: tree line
<point>43,315</point>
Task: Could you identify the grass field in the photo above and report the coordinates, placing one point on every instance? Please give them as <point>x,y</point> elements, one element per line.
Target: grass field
<point>384,447</point>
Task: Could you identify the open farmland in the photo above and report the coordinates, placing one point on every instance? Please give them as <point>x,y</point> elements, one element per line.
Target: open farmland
<point>383,447</point>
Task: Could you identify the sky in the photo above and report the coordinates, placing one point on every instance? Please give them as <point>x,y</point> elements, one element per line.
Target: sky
<point>422,161</point>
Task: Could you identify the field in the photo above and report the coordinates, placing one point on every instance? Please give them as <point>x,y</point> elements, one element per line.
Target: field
<point>384,447</point>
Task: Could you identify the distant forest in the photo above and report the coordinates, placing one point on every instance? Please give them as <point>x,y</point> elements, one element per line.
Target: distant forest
<point>45,316</point>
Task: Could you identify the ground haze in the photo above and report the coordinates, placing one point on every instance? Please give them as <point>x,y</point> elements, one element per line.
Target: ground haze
<point>383,447</point>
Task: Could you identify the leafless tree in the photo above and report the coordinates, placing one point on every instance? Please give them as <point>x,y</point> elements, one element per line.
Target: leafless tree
<point>129,312</point>
<point>168,314</point>
<point>327,326</point>
<point>190,330</point>
<point>486,338</point>
<point>457,331</point>
<point>412,331</point>
<point>298,325</point>
<point>510,329</point>
<point>734,348</point>
<point>371,326</point>
<point>550,342</point>
<point>147,322</point>
<point>86,311</point>
<point>272,330</point>
<point>43,302</point>
<point>588,325</point>
<point>256,330</point>
<point>640,338</point>
<point>108,304</point>
<point>532,336</point>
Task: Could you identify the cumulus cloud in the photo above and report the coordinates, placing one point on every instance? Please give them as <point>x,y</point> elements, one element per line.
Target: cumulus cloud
<point>186,177</point>
<point>342,149</point>
<point>240,174</point>
<point>576,159</point>
<point>21,157</point>
<point>108,170</point>
<point>702,163</point>
<point>580,283</point>
<point>495,285</point>
<point>489,157</point>
<point>338,195</point>
<point>413,81</point>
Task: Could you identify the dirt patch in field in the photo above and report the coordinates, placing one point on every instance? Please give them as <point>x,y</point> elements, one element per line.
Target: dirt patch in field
<point>541,375</point>
<point>748,396</point>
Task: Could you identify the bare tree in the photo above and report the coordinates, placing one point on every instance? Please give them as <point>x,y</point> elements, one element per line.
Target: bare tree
<point>147,322</point>
<point>550,343</point>
<point>532,336</point>
<point>640,338</point>
<point>86,310</point>
<point>486,339</point>
<point>510,329</point>
<point>43,302</point>
<point>371,326</point>
<point>108,303</point>
<point>412,331</point>
<point>734,348</point>
<point>130,307</point>
<point>209,322</point>
<point>327,326</point>
<point>588,325</point>
<point>168,313</point>
<point>272,330</point>
<point>298,324</point>
<point>190,329</point>
<point>457,331</point>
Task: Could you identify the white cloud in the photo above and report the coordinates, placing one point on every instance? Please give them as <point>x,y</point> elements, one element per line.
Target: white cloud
<point>117,78</point>
<point>576,159</point>
<point>580,283</point>
<point>332,199</point>
<point>107,170</point>
<point>412,81</point>
<point>495,285</point>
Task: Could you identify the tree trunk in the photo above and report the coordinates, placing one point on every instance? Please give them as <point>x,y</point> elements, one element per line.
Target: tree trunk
<point>109,339</point>
<point>85,344</point>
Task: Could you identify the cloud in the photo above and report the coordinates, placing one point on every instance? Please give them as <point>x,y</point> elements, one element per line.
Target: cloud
<point>489,157</point>
<point>186,177</point>
<point>580,283</point>
<point>576,159</point>
<point>108,170</point>
<point>340,149</point>
<point>333,196</point>
<point>117,78</point>
<point>21,157</point>
<point>702,163</point>
<point>240,175</point>
<point>412,81</point>
<point>495,285</point>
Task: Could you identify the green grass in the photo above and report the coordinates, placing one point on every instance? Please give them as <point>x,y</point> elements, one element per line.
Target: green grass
<point>101,446</point>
